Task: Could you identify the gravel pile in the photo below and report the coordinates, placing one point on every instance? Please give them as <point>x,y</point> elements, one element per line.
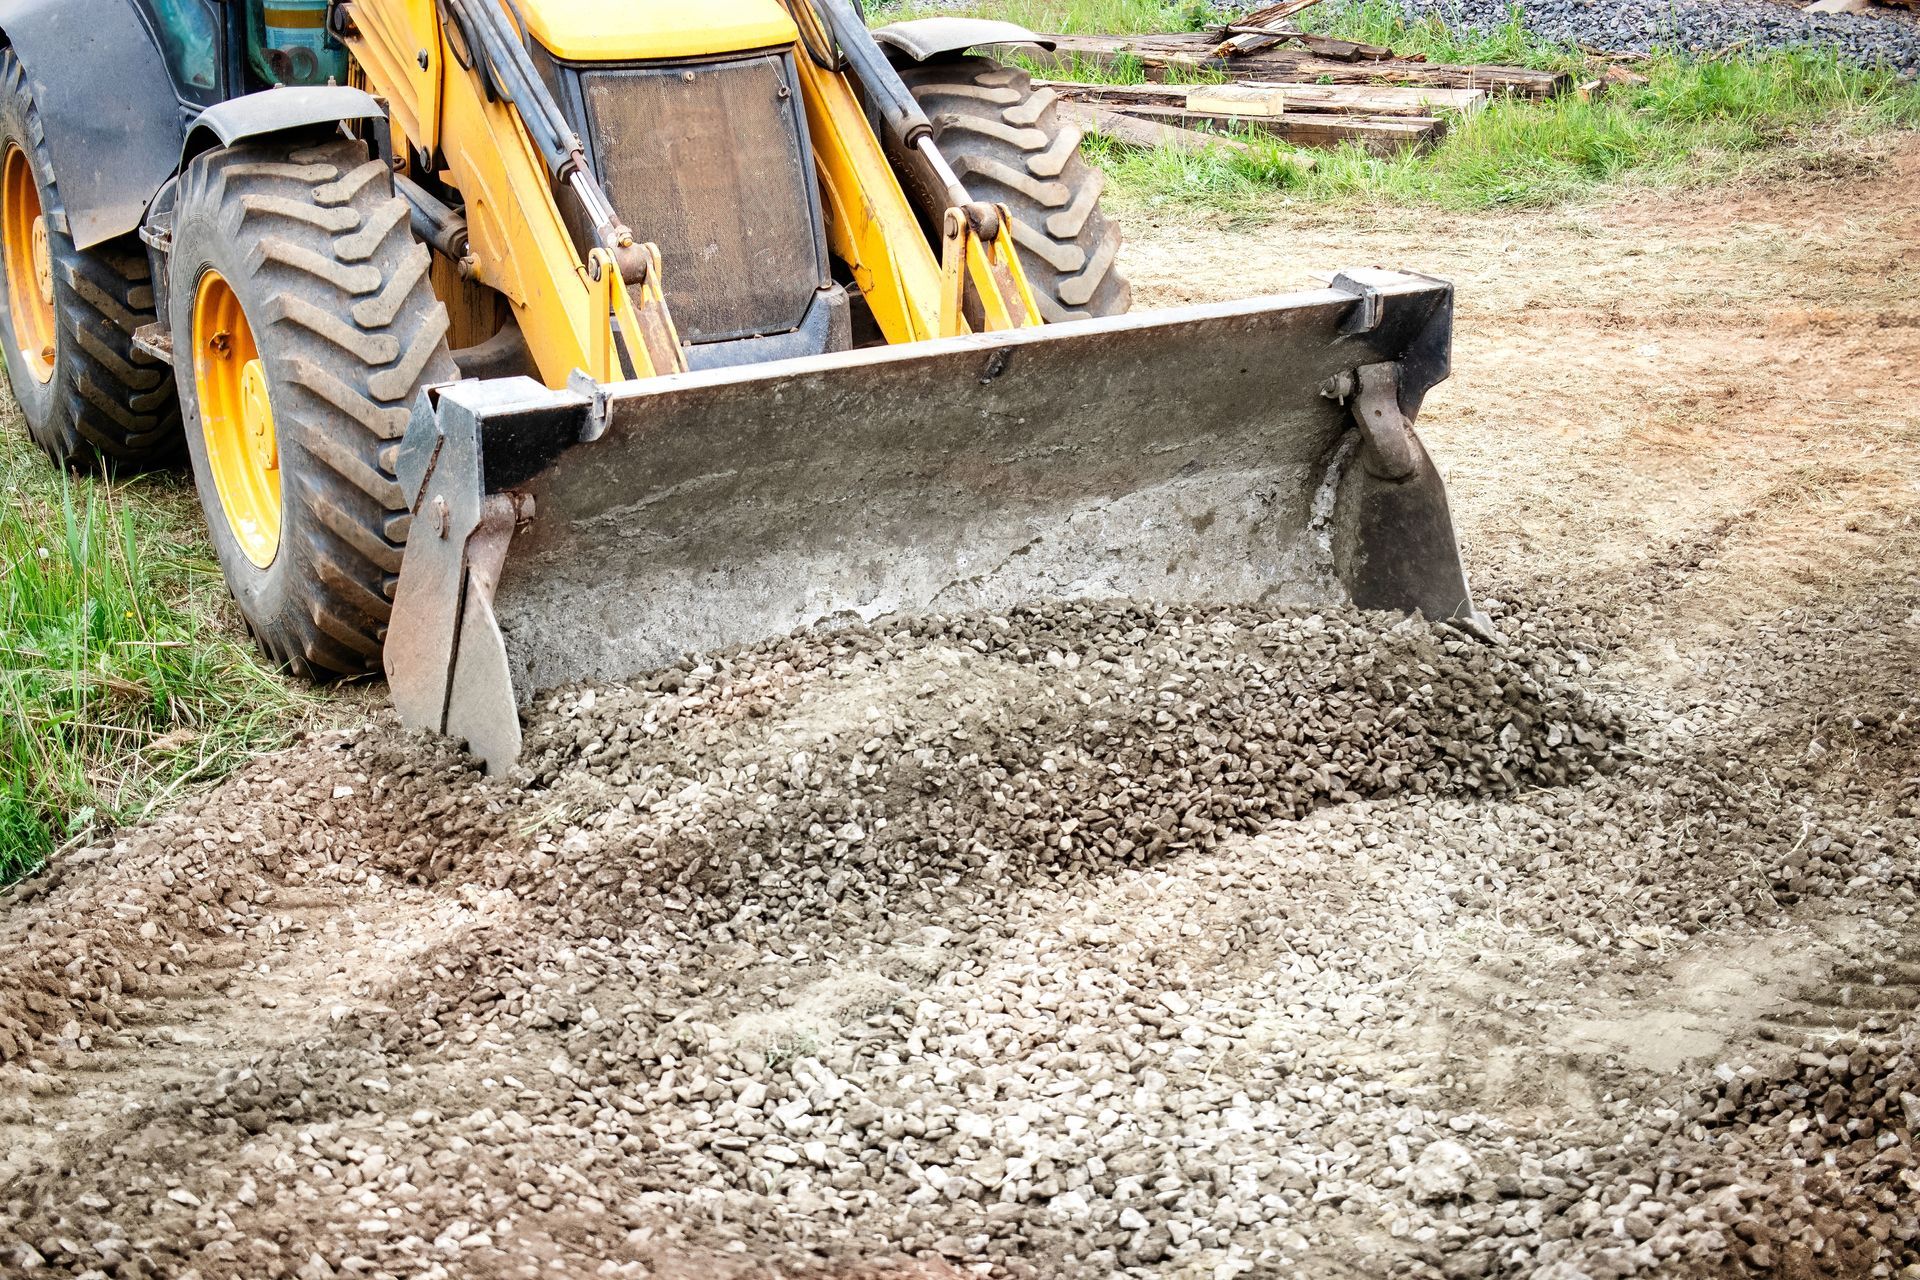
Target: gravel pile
<point>1082,941</point>
<point>1884,36</point>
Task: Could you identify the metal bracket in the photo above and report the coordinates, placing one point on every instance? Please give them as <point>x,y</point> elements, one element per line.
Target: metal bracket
<point>597,417</point>
<point>156,340</point>
<point>1366,317</point>
<point>970,255</point>
<point>1392,452</point>
<point>1374,389</point>
<point>446,658</point>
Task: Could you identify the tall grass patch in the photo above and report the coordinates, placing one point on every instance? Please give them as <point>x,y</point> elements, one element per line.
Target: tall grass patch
<point>121,683</point>
<point>1067,17</point>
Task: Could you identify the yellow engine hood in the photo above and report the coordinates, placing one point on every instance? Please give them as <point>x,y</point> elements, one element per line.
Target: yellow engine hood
<point>635,30</point>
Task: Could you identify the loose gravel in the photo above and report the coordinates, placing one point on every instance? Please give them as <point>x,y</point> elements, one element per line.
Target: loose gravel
<point>1882,37</point>
<point>1088,940</point>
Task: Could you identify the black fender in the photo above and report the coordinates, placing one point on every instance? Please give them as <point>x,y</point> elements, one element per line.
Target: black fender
<point>114,123</point>
<point>923,39</point>
<point>283,110</point>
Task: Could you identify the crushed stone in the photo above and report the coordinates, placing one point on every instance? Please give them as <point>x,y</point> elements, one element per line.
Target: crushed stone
<point>1087,940</point>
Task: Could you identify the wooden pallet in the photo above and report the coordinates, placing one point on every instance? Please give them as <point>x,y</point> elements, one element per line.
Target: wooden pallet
<point>1158,55</point>
<point>1379,135</point>
<point>1352,99</point>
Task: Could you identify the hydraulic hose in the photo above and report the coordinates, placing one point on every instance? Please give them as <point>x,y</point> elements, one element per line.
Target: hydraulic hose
<point>511,77</point>
<point>887,93</point>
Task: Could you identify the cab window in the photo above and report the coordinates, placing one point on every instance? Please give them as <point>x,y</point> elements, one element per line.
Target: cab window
<point>189,32</point>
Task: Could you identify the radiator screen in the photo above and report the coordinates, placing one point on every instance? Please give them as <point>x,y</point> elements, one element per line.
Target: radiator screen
<point>707,161</point>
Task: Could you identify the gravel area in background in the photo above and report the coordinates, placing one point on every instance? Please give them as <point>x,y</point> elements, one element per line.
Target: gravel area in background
<point>1700,26</point>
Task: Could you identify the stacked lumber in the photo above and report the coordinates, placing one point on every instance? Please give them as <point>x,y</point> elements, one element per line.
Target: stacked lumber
<point>1134,131</point>
<point>1380,135</point>
<point>1158,55</point>
<point>1366,99</point>
<point>1313,92</point>
<point>1383,119</point>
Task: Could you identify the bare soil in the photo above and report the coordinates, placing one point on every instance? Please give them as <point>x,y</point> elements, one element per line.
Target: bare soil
<point>1105,941</point>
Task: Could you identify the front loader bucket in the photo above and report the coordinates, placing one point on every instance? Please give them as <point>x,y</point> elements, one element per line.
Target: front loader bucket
<point>1257,451</point>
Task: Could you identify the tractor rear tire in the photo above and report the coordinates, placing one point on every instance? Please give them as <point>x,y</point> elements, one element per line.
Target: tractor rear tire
<point>1009,145</point>
<point>67,315</point>
<point>338,329</point>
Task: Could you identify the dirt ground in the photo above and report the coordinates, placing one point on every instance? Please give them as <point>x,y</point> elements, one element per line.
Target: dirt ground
<point>1100,941</point>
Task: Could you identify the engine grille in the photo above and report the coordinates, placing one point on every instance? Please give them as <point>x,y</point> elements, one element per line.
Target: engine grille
<point>709,161</point>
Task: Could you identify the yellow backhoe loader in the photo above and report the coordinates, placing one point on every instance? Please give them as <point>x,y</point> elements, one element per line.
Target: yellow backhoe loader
<point>516,341</point>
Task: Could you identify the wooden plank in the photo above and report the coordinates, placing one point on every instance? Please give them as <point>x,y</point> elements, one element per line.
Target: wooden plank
<point>1159,55</point>
<point>1236,45</point>
<point>1385,99</point>
<point>1361,99</point>
<point>1135,132</point>
<point>1236,100</point>
<point>1380,135</point>
<point>1275,13</point>
<point>1326,46</point>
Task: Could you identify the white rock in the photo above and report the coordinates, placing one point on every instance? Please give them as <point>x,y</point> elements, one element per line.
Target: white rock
<point>1441,1173</point>
<point>1070,1206</point>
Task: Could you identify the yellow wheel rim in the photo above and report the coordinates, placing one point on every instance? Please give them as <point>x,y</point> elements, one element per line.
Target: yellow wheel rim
<point>236,419</point>
<point>23,229</point>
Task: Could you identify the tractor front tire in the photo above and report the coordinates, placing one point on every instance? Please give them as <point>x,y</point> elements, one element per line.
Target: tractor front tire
<point>1009,145</point>
<point>67,315</point>
<point>303,328</point>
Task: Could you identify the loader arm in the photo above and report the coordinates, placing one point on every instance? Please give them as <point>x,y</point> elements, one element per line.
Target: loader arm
<point>575,313</point>
<point>569,309</point>
<point>870,225</point>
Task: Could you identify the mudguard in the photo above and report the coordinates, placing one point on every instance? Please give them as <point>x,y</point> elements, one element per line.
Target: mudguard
<point>926,38</point>
<point>257,115</point>
<point>114,123</point>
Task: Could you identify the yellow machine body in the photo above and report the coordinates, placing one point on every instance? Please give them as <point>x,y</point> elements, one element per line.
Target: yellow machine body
<point>635,30</point>
<point>521,245</point>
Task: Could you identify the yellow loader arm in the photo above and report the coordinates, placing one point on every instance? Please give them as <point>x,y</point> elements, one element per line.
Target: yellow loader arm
<point>452,91</point>
<point>451,72</point>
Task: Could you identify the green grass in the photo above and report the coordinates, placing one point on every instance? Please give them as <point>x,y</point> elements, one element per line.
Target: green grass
<point>1069,17</point>
<point>122,682</point>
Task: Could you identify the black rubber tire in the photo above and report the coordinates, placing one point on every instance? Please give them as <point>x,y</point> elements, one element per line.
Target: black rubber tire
<point>315,245</point>
<point>1008,143</point>
<point>106,404</point>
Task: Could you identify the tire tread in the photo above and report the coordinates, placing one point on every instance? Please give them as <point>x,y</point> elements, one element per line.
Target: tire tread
<point>1011,144</point>
<point>108,404</point>
<point>344,313</point>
